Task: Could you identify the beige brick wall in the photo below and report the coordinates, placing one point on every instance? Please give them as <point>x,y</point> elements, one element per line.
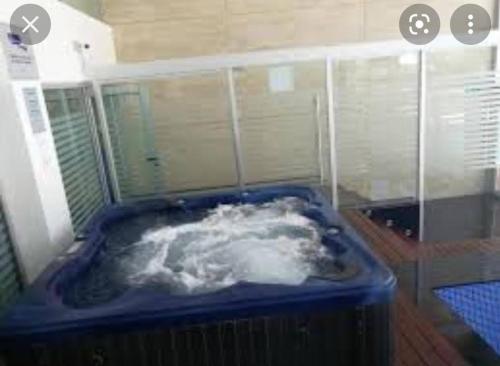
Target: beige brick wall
<point>152,29</point>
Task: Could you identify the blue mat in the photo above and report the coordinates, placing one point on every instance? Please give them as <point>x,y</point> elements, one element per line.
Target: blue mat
<point>479,306</point>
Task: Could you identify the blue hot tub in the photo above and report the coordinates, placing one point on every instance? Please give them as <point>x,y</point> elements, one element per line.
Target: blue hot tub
<point>76,314</point>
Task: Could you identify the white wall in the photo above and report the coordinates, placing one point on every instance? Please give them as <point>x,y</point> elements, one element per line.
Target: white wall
<point>19,190</point>
<point>30,180</point>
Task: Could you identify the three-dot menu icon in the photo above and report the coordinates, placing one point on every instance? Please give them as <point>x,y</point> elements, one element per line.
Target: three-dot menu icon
<point>470,24</point>
<point>470,17</point>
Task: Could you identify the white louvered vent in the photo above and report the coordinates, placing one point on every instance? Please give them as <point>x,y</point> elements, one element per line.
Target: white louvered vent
<point>76,152</point>
<point>10,282</point>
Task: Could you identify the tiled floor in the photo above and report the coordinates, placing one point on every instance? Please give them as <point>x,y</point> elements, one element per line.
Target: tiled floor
<point>428,333</point>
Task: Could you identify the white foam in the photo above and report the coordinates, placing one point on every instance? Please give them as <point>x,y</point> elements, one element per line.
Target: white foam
<point>269,243</point>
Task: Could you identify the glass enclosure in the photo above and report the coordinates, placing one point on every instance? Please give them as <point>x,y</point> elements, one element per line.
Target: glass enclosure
<point>423,136</point>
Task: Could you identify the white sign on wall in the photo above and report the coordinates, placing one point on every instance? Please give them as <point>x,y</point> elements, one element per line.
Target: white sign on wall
<point>20,58</point>
<point>281,79</point>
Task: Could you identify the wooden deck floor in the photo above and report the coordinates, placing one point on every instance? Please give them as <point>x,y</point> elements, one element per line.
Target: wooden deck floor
<point>396,249</point>
<point>418,342</point>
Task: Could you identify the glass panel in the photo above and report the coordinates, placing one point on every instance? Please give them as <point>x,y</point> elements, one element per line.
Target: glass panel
<point>171,135</point>
<point>10,282</point>
<point>461,144</point>
<point>376,130</point>
<point>129,123</point>
<point>283,122</point>
<point>76,152</point>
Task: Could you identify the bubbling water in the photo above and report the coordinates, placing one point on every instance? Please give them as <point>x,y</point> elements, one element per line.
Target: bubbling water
<point>268,243</point>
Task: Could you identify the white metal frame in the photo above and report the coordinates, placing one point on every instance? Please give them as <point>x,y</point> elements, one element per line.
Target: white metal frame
<point>235,128</point>
<point>175,67</point>
<point>88,91</point>
<point>422,103</point>
<point>332,131</point>
<point>102,117</point>
<point>319,137</point>
<point>117,73</point>
<point>422,114</point>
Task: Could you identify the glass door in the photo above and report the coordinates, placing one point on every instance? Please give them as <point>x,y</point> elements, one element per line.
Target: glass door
<point>171,135</point>
<point>130,126</point>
